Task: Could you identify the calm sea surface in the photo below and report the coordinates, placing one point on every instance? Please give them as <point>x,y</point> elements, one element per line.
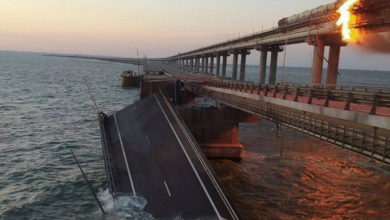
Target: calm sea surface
<point>45,111</point>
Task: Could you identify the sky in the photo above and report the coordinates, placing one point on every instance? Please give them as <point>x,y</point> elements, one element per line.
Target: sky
<point>158,28</point>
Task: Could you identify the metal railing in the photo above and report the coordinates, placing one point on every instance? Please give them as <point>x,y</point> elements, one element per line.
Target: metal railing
<point>364,139</point>
<point>366,95</point>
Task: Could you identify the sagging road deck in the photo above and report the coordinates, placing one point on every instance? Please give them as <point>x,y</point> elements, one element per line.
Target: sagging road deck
<point>148,150</point>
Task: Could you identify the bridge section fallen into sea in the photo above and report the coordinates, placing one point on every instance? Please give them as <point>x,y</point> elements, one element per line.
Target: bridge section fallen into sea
<point>150,153</point>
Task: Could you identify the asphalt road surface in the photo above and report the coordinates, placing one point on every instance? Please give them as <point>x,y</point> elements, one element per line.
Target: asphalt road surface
<point>153,155</point>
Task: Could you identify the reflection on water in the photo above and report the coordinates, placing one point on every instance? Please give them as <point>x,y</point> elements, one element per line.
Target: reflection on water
<point>313,179</point>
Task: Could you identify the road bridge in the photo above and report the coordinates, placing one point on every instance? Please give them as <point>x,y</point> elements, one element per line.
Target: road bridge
<point>149,152</point>
<point>354,117</point>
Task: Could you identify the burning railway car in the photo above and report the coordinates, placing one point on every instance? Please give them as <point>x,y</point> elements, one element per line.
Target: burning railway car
<point>319,14</point>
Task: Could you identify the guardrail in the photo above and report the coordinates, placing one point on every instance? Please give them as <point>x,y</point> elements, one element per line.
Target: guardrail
<point>370,141</point>
<point>366,95</point>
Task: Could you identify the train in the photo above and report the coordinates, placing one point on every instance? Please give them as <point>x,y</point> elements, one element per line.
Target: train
<point>311,14</point>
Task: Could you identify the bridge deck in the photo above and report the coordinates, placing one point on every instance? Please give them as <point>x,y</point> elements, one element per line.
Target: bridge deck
<point>353,129</point>
<point>150,151</point>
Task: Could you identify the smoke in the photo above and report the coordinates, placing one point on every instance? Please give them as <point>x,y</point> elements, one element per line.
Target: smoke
<point>375,42</point>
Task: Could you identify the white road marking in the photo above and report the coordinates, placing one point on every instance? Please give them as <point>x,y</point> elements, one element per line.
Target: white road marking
<point>124,155</point>
<point>147,139</point>
<point>166,187</point>
<point>189,160</point>
<point>208,172</point>
<point>135,107</point>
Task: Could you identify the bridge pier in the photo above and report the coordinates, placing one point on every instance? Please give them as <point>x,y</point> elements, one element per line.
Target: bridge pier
<point>334,42</point>
<point>198,65</point>
<point>243,64</point>
<point>203,63</point>
<point>211,65</point>
<point>333,65</point>
<point>216,130</point>
<point>235,62</point>
<point>218,65</point>
<point>224,64</point>
<point>318,62</point>
<point>263,64</point>
<point>206,68</point>
<point>274,64</point>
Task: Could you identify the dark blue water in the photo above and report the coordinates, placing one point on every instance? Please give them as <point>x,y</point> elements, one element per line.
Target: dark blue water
<point>45,111</point>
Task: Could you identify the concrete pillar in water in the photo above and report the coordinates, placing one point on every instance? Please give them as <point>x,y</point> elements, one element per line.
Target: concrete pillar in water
<point>216,130</point>
<point>263,64</point>
<point>197,64</point>
<point>224,64</point>
<point>191,63</point>
<point>273,65</point>
<point>235,61</point>
<point>318,63</point>
<point>206,67</point>
<point>333,65</point>
<point>203,65</point>
<point>218,65</point>
<point>211,65</point>
<point>243,64</point>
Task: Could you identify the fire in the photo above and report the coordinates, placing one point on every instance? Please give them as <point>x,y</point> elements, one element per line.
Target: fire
<point>346,19</point>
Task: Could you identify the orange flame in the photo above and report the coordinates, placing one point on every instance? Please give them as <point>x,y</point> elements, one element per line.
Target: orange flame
<point>346,19</point>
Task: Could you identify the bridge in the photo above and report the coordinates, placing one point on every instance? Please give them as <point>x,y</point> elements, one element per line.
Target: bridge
<point>316,27</point>
<point>190,110</point>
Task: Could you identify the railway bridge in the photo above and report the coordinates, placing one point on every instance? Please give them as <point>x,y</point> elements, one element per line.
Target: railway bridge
<point>317,27</point>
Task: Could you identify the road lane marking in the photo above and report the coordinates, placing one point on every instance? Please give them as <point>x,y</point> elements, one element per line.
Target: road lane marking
<point>147,139</point>
<point>135,107</point>
<point>166,187</point>
<point>189,160</point>
<point>208,172</point>
<point>124,155</point>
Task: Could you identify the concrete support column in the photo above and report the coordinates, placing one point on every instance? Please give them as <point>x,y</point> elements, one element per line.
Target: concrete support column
<point>206,67</point>
<point>224,64</point>
<point>243,65</point>
<point>333,65</point>
<point>203,64</point>
<point>273,66</point>
<point>191,63</point>
<point>263,65</point>
<point>235,61</point>
<point>218,65</point>
<point>197,64</point>
<point>211,65</point>
<point>318,62</point>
